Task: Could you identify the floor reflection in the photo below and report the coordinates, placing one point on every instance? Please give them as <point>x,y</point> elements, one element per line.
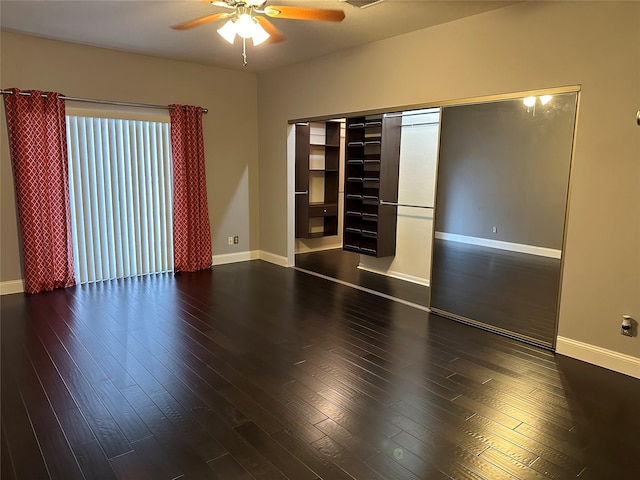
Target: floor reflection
<point>513,291</point>
<point>343,266</point>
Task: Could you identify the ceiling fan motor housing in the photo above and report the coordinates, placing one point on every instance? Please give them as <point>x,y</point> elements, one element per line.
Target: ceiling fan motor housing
<point>242,3</point>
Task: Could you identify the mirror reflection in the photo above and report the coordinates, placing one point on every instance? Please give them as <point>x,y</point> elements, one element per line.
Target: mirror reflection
<point>502,187</point>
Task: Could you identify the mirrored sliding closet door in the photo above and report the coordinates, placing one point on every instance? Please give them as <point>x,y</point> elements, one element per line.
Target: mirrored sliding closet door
<point>501,203</point>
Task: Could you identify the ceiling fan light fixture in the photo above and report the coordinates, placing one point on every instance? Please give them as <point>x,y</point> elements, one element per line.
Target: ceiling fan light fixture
<point>245,25</point>
<point>247,21</point>
<point>260,35</point>
<point>228,31</point>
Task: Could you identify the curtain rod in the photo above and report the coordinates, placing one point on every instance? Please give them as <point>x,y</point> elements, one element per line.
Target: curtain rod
<point>103,102</point>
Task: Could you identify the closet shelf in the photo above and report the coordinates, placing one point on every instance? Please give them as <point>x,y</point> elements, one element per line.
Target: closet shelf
<point>372,166</point>
<point>317,164</point>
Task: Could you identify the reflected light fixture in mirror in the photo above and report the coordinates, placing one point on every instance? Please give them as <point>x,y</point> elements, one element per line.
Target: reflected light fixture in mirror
<point>530,102</point>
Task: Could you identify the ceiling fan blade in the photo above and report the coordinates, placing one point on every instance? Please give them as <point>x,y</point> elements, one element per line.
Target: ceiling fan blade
<point>199,21</point>
<point>302,13</point>
<point>276,35</point>
<point>218,3</point>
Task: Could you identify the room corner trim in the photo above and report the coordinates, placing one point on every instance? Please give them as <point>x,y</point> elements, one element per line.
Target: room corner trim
<point>513,247</point>
<point>225,258</point>
<point>11,286</point>
<point>273,258</point>
<point>395,274</point>
<point>602,357</point>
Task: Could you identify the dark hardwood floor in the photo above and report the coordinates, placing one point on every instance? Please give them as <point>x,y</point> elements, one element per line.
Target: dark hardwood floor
<point>509,292</point>
<point>341,265</point>
<point>254,371</point>
<point>512,291</point>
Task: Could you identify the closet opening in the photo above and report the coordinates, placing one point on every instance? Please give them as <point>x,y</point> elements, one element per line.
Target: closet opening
<point>380,199</point>
<point>459,209</point>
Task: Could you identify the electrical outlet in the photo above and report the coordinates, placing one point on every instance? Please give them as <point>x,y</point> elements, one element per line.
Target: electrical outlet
<point>236,240</point>
<point>494,229</point>
<point>626,328</point>
<point>229,240</point>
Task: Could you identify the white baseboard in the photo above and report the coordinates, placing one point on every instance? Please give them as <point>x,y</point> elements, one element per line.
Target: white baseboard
<point>273,258</point>
<point>225,258</point>
<point>17,286</point>
<point>12,286</point>
<point>396,274</point>
<point>513,247</point>
<point>618,362</point>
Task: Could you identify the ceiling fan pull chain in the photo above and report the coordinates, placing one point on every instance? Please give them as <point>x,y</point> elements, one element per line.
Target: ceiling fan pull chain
<point>244,52</point>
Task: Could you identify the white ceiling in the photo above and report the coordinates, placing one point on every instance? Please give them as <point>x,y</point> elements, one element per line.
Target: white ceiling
<point>144,27</point>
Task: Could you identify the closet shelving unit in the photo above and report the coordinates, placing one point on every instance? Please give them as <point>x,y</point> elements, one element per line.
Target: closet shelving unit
<point>317,176</point>
<point>371,176</point>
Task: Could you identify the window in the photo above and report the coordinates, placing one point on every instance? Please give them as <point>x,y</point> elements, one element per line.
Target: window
<point>120,189</point>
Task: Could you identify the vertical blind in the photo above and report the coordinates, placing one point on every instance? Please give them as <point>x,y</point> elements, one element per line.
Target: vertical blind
<point>120,193</point>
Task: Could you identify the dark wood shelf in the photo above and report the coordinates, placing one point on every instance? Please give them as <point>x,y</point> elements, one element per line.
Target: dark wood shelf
<point>326,211</point>
<point>372,167</point>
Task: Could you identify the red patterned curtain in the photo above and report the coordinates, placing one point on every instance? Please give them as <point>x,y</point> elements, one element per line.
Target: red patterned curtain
<point>38,144</point>
<point>191,233</point>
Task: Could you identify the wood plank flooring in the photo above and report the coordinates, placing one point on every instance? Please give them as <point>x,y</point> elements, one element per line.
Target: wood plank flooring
<point>512,291</point>
<point>254,371</point>
<point>505,291</point>
<point>339,264</point>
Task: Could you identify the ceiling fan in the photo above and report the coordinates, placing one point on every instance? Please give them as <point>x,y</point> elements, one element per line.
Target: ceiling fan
<point>247,20</point>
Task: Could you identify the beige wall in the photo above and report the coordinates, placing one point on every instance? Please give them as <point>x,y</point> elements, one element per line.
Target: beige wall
<point>527,46</point>
<point>513,168</point>
<point>230,128</point>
